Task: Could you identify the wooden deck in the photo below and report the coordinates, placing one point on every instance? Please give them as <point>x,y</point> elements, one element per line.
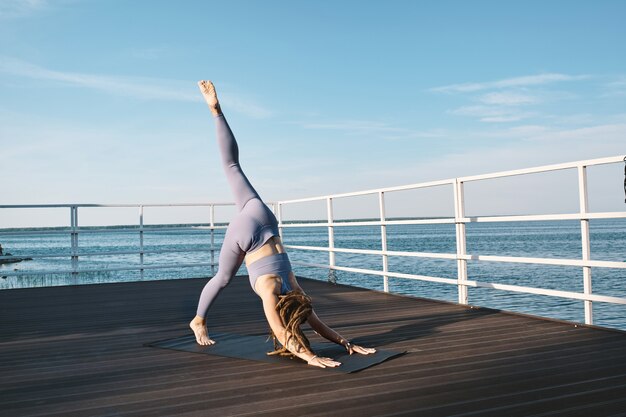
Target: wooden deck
<point>78,351</point>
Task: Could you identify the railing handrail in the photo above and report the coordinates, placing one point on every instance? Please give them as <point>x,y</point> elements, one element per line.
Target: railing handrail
<point>449,181</point>
<point>131,205</point>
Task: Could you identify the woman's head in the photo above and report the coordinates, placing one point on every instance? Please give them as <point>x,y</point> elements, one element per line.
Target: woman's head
<point>294,309</point>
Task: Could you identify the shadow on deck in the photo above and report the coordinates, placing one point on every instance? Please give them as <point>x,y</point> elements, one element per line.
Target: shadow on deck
<point>77,351</point>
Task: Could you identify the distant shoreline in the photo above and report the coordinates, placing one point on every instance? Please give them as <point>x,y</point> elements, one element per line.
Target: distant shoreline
<point>221,224</point>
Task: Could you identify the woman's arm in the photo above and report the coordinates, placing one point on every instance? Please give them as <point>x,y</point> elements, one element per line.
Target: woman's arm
<point>314,321</point>
<point>270,299</point>
<point>327,333</point>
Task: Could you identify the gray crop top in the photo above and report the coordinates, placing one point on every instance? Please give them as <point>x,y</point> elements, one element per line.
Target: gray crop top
<point>277,264</point>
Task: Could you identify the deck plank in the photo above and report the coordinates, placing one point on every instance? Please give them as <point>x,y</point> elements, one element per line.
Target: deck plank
<point>78,350</point>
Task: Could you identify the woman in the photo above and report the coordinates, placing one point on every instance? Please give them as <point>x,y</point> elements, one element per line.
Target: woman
<point>253,235</point>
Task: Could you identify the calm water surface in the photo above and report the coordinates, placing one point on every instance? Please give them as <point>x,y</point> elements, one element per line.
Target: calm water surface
<point>529,239</point>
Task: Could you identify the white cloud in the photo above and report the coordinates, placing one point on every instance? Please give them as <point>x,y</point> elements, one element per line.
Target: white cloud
<point>589,137</point>
<point>520,132</point>
<point>136,87</point>
<point>578,119</point>
<point>20,8</point>
<point>244,106</point>
<point>351,125</point>
<point>615,88</point>
<point>502,100</point>
<point>360,127</point>
<point>493,114</point>
<point>618,118</point>
<point>524,81</point>
<point>508,98</point>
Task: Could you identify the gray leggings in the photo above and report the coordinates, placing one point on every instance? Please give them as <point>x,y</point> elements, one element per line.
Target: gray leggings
<point>252,226</point>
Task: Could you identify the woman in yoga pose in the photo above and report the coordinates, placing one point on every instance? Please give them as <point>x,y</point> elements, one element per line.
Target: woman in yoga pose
<point>253,236</point>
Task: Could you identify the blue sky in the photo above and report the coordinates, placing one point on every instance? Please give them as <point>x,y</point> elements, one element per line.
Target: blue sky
<point>99,104</point>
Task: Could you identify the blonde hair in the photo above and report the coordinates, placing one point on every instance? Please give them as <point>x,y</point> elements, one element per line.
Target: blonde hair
<point>294,309</point>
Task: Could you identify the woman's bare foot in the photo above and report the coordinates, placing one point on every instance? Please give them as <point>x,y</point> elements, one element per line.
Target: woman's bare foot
<point>198,325</point>
<point>208,91</point>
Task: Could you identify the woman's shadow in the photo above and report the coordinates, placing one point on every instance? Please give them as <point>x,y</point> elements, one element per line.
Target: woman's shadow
<point>421,326</point>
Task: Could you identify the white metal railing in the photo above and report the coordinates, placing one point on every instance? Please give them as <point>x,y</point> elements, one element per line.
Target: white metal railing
<point>74,231</point>
<point>460,220</point>
<point>463,282</point>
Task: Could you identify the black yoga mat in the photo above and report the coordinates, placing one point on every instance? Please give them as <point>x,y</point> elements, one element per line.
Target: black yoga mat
<point>255,348</point>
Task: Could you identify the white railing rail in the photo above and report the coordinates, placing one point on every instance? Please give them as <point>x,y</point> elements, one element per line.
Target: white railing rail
<point>460,220</point>
<point>75,230</point>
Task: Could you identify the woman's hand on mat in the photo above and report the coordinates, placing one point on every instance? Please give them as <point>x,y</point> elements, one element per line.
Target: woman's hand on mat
<point>323,362</point>
<point>351,348</point>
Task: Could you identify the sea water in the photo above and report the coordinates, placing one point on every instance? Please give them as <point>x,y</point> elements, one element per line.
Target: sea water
<point>545,239</point>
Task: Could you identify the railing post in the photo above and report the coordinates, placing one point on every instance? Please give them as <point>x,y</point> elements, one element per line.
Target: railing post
<point>331,241</point>
<point>141,271</point>
<point>74,241</point>
<point>279,214</point>
<point>459,214</point>
<point>584,233</point>
<point>212,226</point>
<point>383,239</point>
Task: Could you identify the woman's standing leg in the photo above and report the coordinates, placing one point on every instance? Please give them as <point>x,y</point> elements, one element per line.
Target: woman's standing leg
<point>231,258</point>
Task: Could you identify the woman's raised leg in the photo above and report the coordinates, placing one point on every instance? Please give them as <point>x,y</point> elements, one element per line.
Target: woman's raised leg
<point>231,254</point>
<point>242,190</point>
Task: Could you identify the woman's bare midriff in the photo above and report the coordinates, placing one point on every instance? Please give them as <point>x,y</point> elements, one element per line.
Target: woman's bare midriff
<point>271,247</point>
